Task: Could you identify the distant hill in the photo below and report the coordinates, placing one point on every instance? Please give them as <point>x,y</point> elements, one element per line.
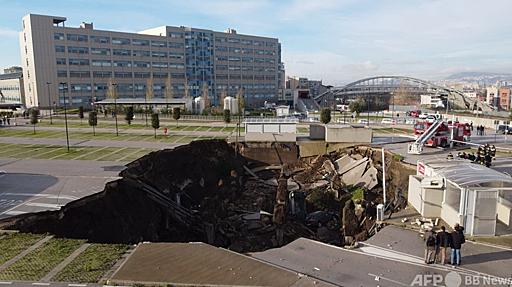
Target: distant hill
<point>488,78</point>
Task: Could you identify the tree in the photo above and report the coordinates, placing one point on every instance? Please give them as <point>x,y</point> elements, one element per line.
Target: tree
<point>81,113</point>
<point>356,106</point>
<point>325,115</point>
<point>93,121</point>
<point>223,96</point>
<point>206,100</point>
<point>147,97</point>
<point>169,93</point>
<point>241,101</point>
<point>176,114</point>
<point>186,90</point>
<point>402,96</point>
<point>227,116</point>
<point>129,115</point>
<point>155,122</point>
<point>34,115</point>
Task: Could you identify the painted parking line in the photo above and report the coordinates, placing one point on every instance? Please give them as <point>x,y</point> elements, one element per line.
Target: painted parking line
<point>36,156</point>
<point>37,148</point>
<point>112,153</point>
<point>130,154</point>
<point>23,150</point>
<point>93,150</point>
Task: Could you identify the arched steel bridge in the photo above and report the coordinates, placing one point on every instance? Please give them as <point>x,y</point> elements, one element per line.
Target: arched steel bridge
<point>384,86</point>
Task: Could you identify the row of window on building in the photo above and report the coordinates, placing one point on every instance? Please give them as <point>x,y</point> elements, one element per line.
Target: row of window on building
<point>155,43</point>
<point>109,63</point>
<point>154,54</point>
<point>10,88</point>
<point>144,64</point>
<point>145,75</point>
<point>245,59</point>
<point>118,52</point>
<point>238,50</point>
<point>81,87</point>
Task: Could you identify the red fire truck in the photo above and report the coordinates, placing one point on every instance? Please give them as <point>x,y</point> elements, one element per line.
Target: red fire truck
<point>441,138</point>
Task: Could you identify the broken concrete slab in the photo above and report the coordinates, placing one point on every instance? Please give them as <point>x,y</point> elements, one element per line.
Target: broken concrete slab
<point>369,179</point>
<point>320,183</point>
<point>272,182</point>
<point>292,185</point>
<point>342,162</point>
<point>328,167</point>
<point>252,216</point>
<point>353,176</point>
<point>353,165</point>
<point>357,156</point>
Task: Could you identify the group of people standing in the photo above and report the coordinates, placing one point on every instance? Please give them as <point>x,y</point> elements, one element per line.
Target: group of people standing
<point>480,130</point>
<point>5,120</point>
<point>437,244</point>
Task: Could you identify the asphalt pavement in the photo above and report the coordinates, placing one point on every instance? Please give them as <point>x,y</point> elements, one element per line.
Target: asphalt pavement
<point>32,185</point>
<point>393,257</point>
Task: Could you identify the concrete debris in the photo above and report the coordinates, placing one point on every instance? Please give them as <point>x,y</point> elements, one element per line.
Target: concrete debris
<point>328,167</point>
<point>271,182</point>
<point>319,184</point>
<point>343,162</point>
<point>354,175</point>
<point>352,165</point>
<point>292,185</point>
<point>369,179</point>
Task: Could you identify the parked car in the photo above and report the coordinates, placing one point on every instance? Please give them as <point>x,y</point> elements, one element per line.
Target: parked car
<point>363,121</point>
<point>414,114</point>
<point>504,129</point>
<point>388,121</point>
<point>430,118</point>
<point>410,121</point>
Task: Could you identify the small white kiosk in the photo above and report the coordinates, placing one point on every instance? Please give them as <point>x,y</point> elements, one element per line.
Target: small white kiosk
<point>461,192</point>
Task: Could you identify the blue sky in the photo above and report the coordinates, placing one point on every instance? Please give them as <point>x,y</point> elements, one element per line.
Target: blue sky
<point>334,40</point>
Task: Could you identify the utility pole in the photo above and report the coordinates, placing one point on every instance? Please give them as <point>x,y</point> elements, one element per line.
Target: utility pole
<point>65,87</point>
<point>49,101</point>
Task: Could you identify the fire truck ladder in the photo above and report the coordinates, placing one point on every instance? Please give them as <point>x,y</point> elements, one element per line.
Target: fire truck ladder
<point>417,146</point>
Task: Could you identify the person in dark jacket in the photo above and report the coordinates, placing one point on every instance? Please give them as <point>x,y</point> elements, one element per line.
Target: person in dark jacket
<point>442,242</point>
<point>430,246</point>
<point>457,239</point>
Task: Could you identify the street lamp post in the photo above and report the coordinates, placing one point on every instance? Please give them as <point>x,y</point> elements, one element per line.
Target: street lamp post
<point>49,101</point>
<point>393,118</point>
<point>64,85</point>
<point>368,103</point>
<point>115,106</point>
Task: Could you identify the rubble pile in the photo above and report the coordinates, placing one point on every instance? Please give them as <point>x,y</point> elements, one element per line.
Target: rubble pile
<point>205,192</point>
<point>329,183</point>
